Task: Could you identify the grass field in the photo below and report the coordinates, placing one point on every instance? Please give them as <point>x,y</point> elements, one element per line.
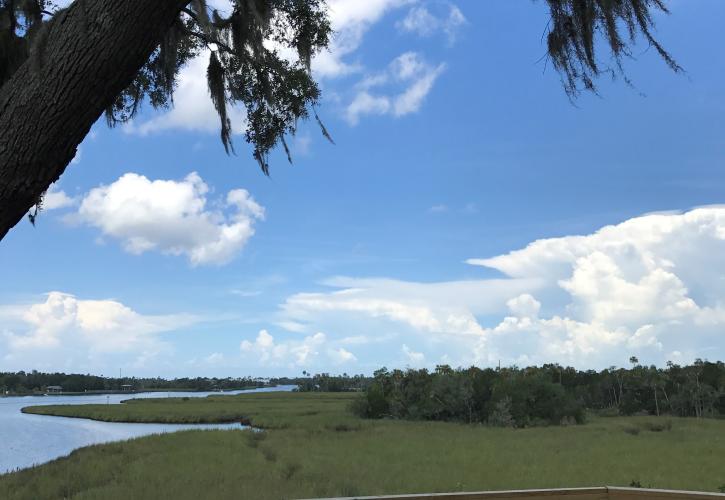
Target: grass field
<point>314,448</point>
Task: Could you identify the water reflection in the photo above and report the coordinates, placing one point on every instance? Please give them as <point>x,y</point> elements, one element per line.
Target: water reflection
<point>27,439</point>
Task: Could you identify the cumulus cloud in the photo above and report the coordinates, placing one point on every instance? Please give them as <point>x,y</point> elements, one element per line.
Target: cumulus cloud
<point>650,286</point>
<point>56,199</point>
<point>422,22</point>
<point>524,306</point>
<point>398,91</point>
<point>64,329</point>
<point>649,283</point>
<point>172,217</point>
<point>294,353</point>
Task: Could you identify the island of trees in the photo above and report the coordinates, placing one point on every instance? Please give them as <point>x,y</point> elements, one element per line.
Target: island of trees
<point>550,394</point>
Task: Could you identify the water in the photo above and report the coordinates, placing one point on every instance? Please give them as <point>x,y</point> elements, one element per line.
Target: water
<point>27,440</point>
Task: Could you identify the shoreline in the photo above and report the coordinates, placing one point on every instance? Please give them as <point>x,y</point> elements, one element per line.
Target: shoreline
<point>140,391</point>
<point>246,421</point>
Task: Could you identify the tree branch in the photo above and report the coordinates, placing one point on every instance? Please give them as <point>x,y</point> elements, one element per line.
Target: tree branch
<point>207,40</point>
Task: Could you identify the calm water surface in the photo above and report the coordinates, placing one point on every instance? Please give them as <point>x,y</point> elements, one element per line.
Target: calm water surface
<point>27,440</point>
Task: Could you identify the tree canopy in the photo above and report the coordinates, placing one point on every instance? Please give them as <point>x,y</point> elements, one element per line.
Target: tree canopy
<point>549,394</point>
<point>247,64</point>
<point>260,57</point>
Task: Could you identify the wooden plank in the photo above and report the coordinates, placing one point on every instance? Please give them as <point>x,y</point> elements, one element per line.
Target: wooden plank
<point>619,493</point>
<point>596,493</point>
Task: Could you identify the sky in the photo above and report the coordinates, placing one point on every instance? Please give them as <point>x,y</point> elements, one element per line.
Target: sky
<point>467,214</point>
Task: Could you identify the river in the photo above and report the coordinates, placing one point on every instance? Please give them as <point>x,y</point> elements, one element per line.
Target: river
<point>26,440</point>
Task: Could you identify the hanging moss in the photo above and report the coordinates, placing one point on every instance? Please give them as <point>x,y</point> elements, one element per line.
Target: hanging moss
<point>215,79</point>
<point>576,26</point>
<point>246,68</point>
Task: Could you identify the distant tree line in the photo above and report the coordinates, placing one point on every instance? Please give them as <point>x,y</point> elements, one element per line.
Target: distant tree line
<point>37,382</point>
<point>546,395</point>
<point>324,382</point>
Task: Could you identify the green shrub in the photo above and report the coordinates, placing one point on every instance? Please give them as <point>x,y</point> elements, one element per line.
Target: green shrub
<point>269,454</point>
<point>255,437</point>
<point>658,426</point>
<point>289,469</point>
<point>631,429</point>
<point>343,427</point>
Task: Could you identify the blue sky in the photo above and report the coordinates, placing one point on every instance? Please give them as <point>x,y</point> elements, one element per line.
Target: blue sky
<point>467,213</point>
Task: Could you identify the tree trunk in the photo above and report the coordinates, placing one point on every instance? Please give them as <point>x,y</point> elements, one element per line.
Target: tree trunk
<point>620,380</point>
<point>664,391</point>
<point>93,51</point>
<point>657,404</point>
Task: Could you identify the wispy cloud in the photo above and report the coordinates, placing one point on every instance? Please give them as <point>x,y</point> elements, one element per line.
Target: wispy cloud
<point>398,91</point>
<point>448,20</point>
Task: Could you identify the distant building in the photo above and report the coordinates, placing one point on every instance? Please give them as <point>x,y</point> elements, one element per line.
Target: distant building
<point>126,387</point>
<point>54,389</point>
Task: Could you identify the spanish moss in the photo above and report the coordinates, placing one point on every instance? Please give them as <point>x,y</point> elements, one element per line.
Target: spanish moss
<point>576,25</point>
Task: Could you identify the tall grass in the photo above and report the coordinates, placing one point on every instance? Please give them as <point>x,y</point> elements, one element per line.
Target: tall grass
<point>315,448</point>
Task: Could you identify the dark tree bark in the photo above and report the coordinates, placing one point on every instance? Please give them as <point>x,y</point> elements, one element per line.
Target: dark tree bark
<point>92,52</point>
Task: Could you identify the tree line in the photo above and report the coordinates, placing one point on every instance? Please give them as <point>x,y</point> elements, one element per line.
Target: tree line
<point>37,382</point>
<point>324,382</point>
<point>546,395</point>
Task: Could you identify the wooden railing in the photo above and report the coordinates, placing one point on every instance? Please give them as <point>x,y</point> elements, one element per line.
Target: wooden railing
<point>595,493</point>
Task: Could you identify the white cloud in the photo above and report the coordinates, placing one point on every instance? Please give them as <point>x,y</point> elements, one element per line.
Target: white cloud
<point>412,98</point>
<point>193,109</point>
<point>648,283</point>
<point>290,353</point>
<point>56,199</point>
<point>77,158</point>
<point>524,306</point>
<point>455,20</point>
<point>422,22</point>
<point>366,104</point>
<point>437,209</point>
<point>419,20</point>
<point>652,286</point>
<point>172,217</point>
<point>214,358</point>
<point>350,20</point>
<point>413,358</point>
<point>65,329</point>
<point>365,339</point>
<point>341,356</point>
<point>406,82</point>
<point>293,326</point>
<point>438,308</point>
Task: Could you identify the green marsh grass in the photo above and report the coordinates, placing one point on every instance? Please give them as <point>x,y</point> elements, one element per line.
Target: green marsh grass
<point>314,447</point>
